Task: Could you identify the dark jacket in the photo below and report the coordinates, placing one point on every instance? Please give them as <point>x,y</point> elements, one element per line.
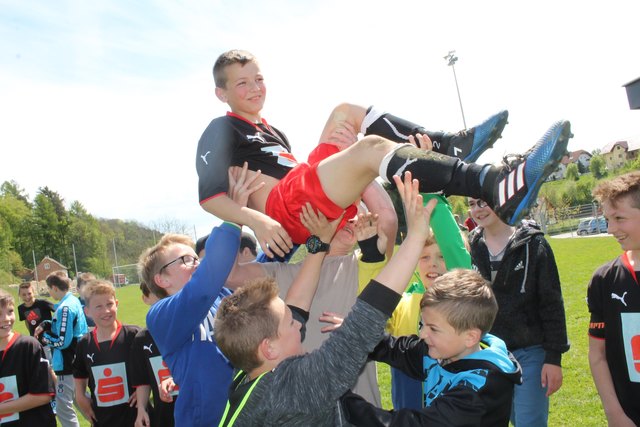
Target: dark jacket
<point>527,288</point>
<point>475,390</point>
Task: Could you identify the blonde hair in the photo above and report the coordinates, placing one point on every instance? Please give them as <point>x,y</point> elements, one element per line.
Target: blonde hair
<point>152,259</point>
<point>244,319</point>
<point>6,299</point>
<point>97,287</point>
<point>614,189</point>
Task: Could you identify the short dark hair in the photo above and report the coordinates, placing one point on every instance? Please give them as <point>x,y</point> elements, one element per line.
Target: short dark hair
<point>230,57</point>
<point>25,285</point>
<point>248,241</point>
<point>59,279</point>
<point>144,289</point>
<point>200,244</point>
<point>465,298</point>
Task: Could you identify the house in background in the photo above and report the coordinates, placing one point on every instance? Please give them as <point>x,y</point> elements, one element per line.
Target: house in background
<point>617,153</point>
<point>47,266</point>
<point>581,158</point>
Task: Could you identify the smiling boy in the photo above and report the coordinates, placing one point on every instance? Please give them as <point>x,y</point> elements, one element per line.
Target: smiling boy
<point>273,212</point>
<point>614,303</point>
<point>26,388</point>
<point>103,361</point>
<point>468,374</point>
<point>33,310</point>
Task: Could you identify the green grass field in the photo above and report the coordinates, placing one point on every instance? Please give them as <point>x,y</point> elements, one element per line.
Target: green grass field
<point>577,402</point>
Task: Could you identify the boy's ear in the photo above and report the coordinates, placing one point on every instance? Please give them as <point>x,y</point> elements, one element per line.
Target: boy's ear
<point>161,281</point>
<point>221,94</point>
<point>267,350</point>
<point>472,337</point>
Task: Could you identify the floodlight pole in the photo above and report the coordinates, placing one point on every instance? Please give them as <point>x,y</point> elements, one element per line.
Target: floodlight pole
<point>452,58</point>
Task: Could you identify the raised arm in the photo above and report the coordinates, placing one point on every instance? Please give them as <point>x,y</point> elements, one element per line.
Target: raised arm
<point>232,206</point>
<point>379,202</point>
<point>304,286</point>
<point>398,271</point>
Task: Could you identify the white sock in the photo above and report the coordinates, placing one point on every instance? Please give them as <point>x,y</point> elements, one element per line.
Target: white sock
<point>384,164</point>
<point>371,117</point>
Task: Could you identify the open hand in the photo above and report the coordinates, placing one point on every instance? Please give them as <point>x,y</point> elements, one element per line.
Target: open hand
<point>367,226</point>
<point>242,184</point>
<point>334,319</point>
<point>318,224</point>
<point>272,237</point>
<point>421,141</point>
<point>417,216</point>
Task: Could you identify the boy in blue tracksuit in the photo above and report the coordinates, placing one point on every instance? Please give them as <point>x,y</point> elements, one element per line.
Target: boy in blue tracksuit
<point>181,322</point>
<point>468,375</point>
<point>61,334</point>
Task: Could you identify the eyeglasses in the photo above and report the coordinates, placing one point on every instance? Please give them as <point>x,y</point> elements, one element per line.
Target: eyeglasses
<point>187,260</point>
<point>478,204</point>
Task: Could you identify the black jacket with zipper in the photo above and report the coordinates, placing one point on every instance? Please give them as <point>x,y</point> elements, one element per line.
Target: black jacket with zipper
<point>527,288</point>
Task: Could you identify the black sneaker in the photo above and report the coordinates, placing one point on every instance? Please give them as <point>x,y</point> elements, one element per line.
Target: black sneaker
<point>469,144</point>
<point>516,187</point>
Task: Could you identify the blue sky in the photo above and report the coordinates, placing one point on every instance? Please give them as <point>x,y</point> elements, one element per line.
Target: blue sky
<point>104,102</point>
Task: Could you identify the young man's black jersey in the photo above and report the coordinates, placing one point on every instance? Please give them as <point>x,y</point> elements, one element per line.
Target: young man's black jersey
<point>150,369</point>
<point>614,302</point>
<point>107,365</point>
<point>230,141</point>
<point>24,369</point>
<point>34,315</point>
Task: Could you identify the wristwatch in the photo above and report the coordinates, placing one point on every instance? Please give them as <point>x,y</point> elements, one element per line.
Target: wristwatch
<point>315,245</point>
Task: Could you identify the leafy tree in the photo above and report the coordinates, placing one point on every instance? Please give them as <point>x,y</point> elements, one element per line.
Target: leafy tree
<point>15,237</point>
<point>598,166</point>
<point>11,188</point>
<point>86,238</point>
<point>49,230</point>
<point>572,172</point>
<point>582,168</point>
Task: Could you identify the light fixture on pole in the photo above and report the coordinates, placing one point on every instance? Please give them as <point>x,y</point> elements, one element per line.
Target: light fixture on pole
<point>452,58</point>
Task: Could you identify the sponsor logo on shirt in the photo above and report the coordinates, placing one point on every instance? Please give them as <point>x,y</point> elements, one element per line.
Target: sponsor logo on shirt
<point>631,340</point>
<point>112,387</point>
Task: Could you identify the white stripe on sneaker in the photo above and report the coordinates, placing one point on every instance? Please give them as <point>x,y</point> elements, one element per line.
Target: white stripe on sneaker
<point>501,191</point>
<point>521,175</point>
<point>511,184</point>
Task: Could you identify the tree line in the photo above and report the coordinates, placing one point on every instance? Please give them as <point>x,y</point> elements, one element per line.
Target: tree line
<point>45,227</point>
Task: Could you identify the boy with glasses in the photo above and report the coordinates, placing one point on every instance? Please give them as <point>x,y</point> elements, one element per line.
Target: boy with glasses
<point>181,322</point>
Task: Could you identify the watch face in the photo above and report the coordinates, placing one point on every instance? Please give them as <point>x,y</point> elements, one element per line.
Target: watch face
<point>315,245</point>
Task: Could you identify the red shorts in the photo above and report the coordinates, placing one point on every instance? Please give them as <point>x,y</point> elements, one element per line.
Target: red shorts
<point>299,186</point>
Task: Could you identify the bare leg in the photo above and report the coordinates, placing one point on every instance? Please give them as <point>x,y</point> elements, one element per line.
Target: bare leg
<point>345,120</point>
<point>346,174</point>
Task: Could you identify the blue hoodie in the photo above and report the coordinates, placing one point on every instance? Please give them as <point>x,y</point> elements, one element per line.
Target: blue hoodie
<point>182,326</point>
<point>475,390</point>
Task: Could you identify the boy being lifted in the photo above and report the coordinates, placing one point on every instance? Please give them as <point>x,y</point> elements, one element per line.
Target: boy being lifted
<point>335,182</point>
